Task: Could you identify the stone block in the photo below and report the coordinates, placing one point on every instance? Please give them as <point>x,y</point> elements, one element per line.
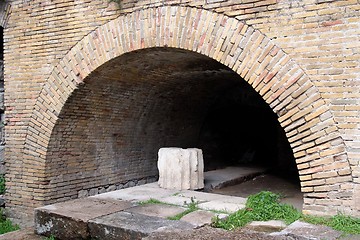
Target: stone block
<point>199,218</point>
<point>157,210</point>
<point>69,220</point>
<point>302,230</point>
<point>266,226</point>
<point>218,205</point>
<point>125,225</point>
<point>181,169</point>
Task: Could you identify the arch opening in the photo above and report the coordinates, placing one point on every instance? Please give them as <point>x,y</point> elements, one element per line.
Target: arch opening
<point>310,127</point>
<point>110,129</point>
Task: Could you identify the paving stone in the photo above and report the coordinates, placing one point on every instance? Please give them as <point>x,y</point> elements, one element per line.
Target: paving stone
<point>221,206</point>
<point>138,193</point>
<point>306,231</point>
<point>232,199</point>
<point>157,210</point>
<point>203,196</point>
<point>126,225</point>
<point>267,226</point>
<point>177,200</point>
<point>229,176</point>
<point>199,218</point>
<point>22,234</point>
<point>68,220</point>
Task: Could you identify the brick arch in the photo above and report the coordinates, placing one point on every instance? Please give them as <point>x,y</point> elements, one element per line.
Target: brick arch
<point>5,9</point>
<point>309,125</point>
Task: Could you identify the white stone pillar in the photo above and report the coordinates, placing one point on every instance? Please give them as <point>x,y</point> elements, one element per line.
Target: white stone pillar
<point>181,168</point>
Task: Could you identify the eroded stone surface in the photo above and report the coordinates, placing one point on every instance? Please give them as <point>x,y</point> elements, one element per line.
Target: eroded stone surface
<point>69,220</point>
<point>267,226</point>
<point>181,168</point>
<point>22,234</point>
<point>221,206</point>
<point>126,225</point>
<point>157,210</point>
<point>198,218</point>
<point>306,231</point>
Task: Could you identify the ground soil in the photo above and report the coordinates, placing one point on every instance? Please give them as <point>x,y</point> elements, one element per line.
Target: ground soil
<point>203,233</point>
<point>209,233</point>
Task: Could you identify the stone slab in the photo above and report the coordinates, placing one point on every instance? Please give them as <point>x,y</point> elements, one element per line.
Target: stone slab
<point>267,226</point>
<point>86,208</point>
<point>232,199</point>
<point>199,218</point>
<point>157,210</point>
<point>229,176</point>
<point>177,200</point>
<point>201,196</point>
<point>221,206</point>
<point>22,234</point>
<point>306,231</point>
<point>68,220</point>
<point>138,193</point>
<point>126,225</point>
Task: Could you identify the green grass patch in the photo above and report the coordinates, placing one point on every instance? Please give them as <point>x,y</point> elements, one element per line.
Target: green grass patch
<point>50,238</point>
<point>180,215</point>
<point>340,222</point>
<point>266,206</point>
<point>218,211</point>
<point>151,201</point>
<point>263,206</point>
<point>191,207</point>
<point>6,225</point>
<point>345,224</point>
<point>2,184</point>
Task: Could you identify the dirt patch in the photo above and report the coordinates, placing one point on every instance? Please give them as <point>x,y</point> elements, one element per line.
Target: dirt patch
<point>209,233</point>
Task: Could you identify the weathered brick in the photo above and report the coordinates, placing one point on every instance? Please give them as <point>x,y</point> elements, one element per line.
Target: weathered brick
<point>316,100</point>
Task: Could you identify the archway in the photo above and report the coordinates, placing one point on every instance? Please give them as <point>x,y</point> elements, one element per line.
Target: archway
<point>110,129</point>
<point>304,116</point>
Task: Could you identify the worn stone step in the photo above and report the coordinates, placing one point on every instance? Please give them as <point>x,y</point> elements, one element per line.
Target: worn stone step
<point>121,215</point>
<point>127,225</point>
<point>69,220</point>
<point>93,218</point>
<point>229,176</point>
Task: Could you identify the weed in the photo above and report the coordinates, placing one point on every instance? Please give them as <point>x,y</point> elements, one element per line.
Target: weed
<point>193,204</point>
<point>338,222</point>
<point>219,211</point>
<point>178,194</point>
<point>318,220</point>
<point>2,184</point>
<point>191,207</point>
<point>345,224</point>
<point>50,238</point>
<point>263,206</point>
<point>180,215</point>
<point>6,225</point>
<point>150,201</point>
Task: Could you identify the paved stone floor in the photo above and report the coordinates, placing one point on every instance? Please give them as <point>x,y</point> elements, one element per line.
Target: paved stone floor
<point>125,209</point>
<point>289,190</point>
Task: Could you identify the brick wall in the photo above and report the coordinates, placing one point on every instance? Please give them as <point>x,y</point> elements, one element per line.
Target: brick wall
<point>301,56</point>
<point>4,15</point>
<point>111,128</point>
